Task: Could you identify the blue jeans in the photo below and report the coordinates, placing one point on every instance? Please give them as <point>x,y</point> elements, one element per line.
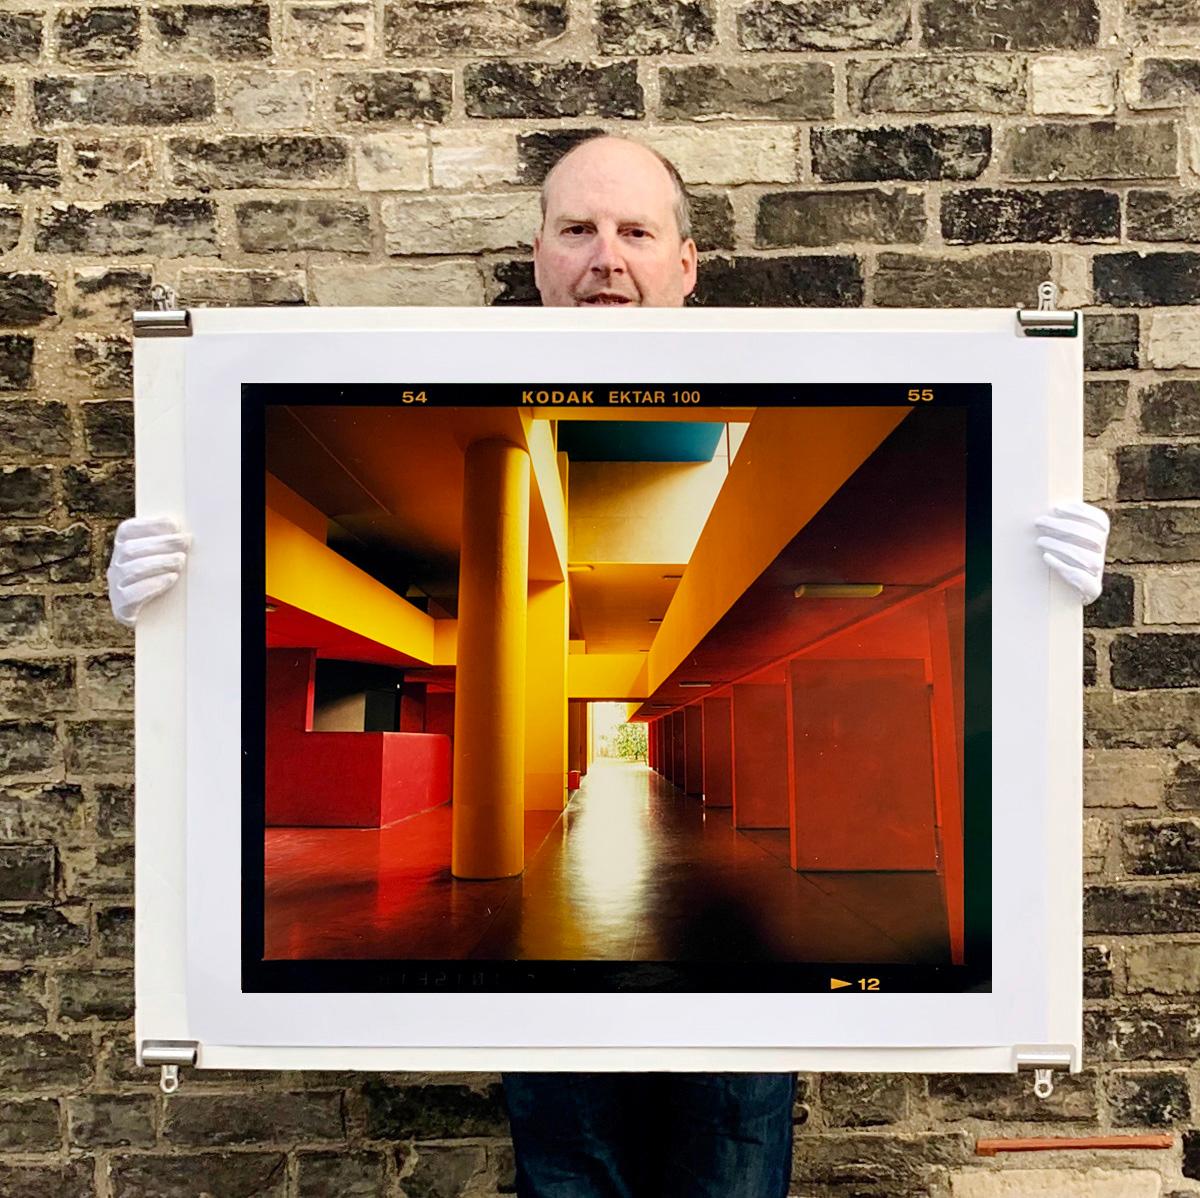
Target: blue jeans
<point>651,1135</point>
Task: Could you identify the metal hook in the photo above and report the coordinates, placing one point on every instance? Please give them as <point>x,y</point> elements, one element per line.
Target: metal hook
<point>1043,1079</point>
<point>169,1081</point>
<point>1047,296</point>
<point>162,297</point>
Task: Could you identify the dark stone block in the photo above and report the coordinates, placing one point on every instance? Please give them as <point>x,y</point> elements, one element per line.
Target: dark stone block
<point>1147,280</point>
<point>1169,82</point>
<point>863,1099</point>
<point>1183,790</point>
<point>98,35</point>
<point>1155,534</point>
<point>26,490</point>
<point>1089,659</point>
<point>108,428</point>
<point>370,97</point>
<point>48,812</point>
<point>911,152</point>
<point>99,746</point>
<point>444,1169</point>
<point>1057,152</point>
<point>1157,1098</point>
<point>937,84</point>
<point>791,91</point>
<point>549,90</point>
<point>228,1174</point>
<point>1191,1154</point>
<point>22,621</point>
<point>341,1174</point>
<point>105,360</point>
<point>114,810</point>
<point>107,681</point>
<point>712,220</point>
<point>37,686</point>
<point>655,26</point>
<point>1154,847</point>
<point>801,25</point>
<point>114,932</point>
<point>20,36</point>
<point>10,218</point>
<point>38,932</point>
<point>41,430</point>
<point>239,162</point>
<point>1133,908</point>
<point>27,873</point>
<point>1067,214</point>
<point>1168,1034</point>
<point>110,1121</point>
<point>420,28</point>
<point>538,152</point>
<point>29,166</point>
<point>27,747</point>
<point>817,218</point>
<point>1011,24</point>
<point>516,284</point>
<point>1104,400</point>
<point>74,1179</point>
<point>1097,971</point>
<point>41,1059</point>
<point>85,621</point>
<point>136,99</point>
<point>878,1166</point>
<point>816,280</point>
<point>1162,216</point>
<point>214,32</point>
<point>29,1126</point>
<point>1158,471</point>
<point>26,298</point>
<point>1003,278</point>
<point>169,228</point>
<point>31,553</point>
<point>1155,660</point>
<point>1171,408</point>
<point>1114,607</point>
<point>434,1111</point>
<point>16,365</point>
<point>22,996</point>
<point>1110,341</point>
<point>955,1096</point>
<point>96,994</point>
<point>220,1119</point>
<point>102,490</point>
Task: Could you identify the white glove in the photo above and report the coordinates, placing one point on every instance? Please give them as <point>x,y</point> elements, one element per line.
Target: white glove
<point>148,556</point>
<point>1073,546</point>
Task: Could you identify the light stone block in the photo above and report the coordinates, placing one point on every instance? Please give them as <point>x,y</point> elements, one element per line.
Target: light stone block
<point>1056,1183</point>
<point>465,158</point>
<point>270,100</point>
<point>1174,340</point>
<point>1096,474</point>
<point>392,161</point>
<point>1123,777</point>
<point>1072,86</point>
<point>1169,969</point>
<point>464,224</point>
<point>425,284</point>
<point>744,154</point>
<point>1171,597</point>
<point>1096,836</point>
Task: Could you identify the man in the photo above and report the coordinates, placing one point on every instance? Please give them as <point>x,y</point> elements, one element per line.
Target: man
<point>616,232</point>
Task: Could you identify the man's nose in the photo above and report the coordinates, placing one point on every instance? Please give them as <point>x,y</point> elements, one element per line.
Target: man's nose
<point>606,254</point>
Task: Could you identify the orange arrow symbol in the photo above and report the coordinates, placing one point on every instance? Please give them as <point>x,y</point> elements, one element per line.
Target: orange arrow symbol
<point>838,984</point>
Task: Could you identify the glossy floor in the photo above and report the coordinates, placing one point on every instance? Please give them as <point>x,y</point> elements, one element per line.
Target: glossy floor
<point>632,870</point>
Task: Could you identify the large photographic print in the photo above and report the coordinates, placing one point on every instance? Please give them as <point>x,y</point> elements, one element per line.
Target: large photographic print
<point>576,687</point>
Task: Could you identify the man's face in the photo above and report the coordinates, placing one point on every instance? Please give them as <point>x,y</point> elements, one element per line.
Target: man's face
<point>609,237</point>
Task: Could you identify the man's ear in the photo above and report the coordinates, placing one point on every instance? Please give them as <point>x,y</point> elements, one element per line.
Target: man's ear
<point>689,258</point>
<point>537,250</point>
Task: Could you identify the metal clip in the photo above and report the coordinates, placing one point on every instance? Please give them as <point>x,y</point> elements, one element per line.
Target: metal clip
<point>170,1055</point>
<point>164,319</point>
<point>1042,1062</point>
<point>1047,319</point>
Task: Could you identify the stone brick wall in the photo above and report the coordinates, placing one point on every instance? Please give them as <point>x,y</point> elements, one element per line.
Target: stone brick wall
<point>887,152</point>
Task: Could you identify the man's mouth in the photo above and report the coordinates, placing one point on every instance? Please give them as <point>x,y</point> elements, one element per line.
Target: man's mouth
<point>603,298</point>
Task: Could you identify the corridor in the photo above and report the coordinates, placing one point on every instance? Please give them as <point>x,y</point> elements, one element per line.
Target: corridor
<point>630,870</point>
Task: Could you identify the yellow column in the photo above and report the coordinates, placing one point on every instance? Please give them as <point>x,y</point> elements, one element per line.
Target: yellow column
<point>488,812</point>
<point>546,698</point>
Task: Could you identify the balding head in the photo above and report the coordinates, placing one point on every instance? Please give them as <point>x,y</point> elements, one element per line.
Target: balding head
<point>615,229</point>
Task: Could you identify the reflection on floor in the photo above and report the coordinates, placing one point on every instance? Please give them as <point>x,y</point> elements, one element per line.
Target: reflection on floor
<point>632,870</point>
